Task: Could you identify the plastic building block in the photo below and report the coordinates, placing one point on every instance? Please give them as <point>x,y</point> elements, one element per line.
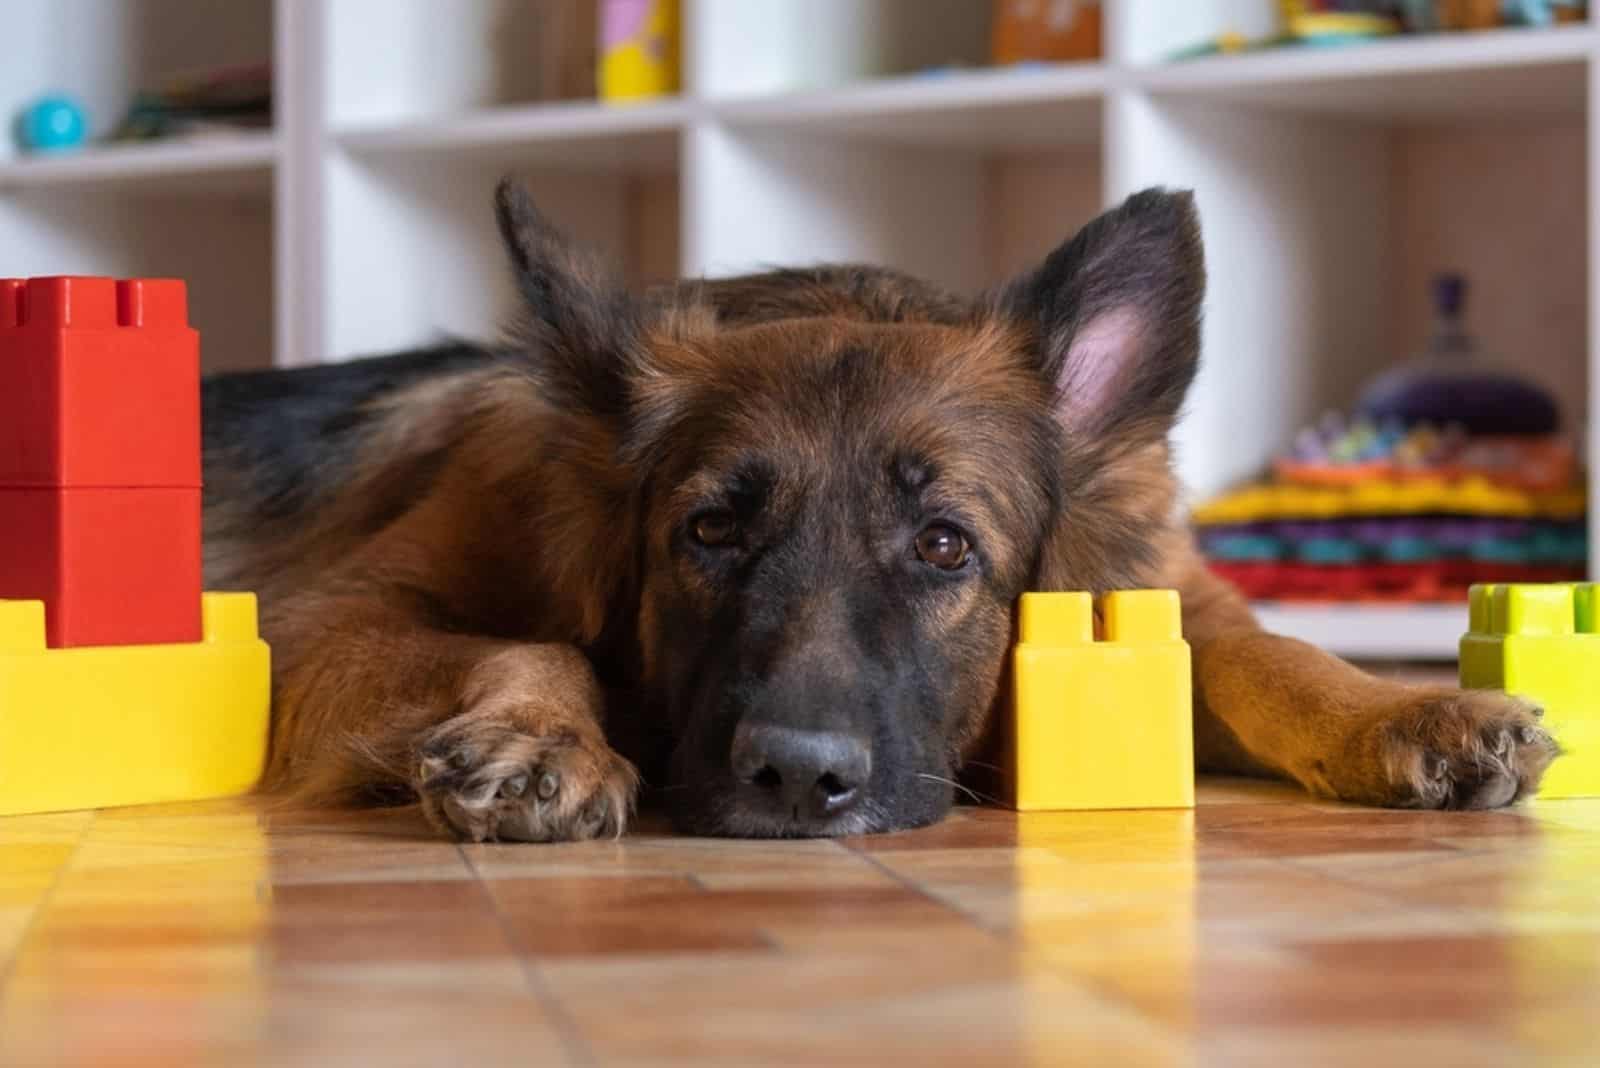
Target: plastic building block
<point>1107,722</point>
<point>100,458</point>
<point>86,728</point>
<point>1543,643</point>
<point>99,384</point>
<point>116,566</point>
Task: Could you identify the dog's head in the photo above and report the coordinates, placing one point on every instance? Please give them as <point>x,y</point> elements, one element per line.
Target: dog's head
<point>839,482</point>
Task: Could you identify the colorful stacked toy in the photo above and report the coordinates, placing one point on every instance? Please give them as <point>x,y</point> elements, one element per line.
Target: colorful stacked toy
<point>119,682</point>
<point>1451,472</point>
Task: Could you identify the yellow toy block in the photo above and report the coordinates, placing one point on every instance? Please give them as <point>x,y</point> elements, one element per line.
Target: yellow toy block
<point>1542,642</point>
<point>1105,723</point>
<point>93,727</point>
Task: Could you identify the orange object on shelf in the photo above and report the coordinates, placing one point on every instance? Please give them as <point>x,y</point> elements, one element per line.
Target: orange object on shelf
<point>100,458</point>
<point>1025,31</point>
<point>1537,465</point>
<point>1468,14</point>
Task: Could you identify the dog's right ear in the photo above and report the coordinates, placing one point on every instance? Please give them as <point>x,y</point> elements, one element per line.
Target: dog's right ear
<point>582,328</point>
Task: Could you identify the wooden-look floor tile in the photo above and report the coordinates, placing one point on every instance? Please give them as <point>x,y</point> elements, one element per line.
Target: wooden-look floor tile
<point>711,862</point>
<point>598,916</point>
<point>400,924</point>
<point>562,917</point>
<point>917,1006</point>
<point>1313,1047</point>
<point>277,1023</point>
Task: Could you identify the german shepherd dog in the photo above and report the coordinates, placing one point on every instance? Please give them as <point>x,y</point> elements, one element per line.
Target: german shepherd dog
<point>761,538</point>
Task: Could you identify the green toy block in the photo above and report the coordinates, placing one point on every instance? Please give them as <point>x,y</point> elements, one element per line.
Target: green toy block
<point>1542,642</point>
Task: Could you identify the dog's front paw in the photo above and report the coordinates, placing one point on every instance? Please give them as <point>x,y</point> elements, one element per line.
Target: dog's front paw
<point>482,779</point>
<point>1463,749</point>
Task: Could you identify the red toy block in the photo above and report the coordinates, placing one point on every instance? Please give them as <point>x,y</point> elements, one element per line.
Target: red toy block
<point>100,458</point>
<point>99,384</point>
<point>113,566</point>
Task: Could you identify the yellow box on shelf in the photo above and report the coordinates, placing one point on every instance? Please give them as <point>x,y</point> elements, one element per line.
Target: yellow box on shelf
<point>1542,642</point>
<point>96,727</point>
<point>639,50</point>
<point>1101,723</point>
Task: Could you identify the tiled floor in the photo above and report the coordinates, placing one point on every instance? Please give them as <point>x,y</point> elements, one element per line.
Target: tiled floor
<point>1261,929</point>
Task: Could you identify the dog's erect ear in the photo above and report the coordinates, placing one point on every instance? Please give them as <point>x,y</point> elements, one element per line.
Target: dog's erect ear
<point>1117,314</point>
<point>583,328</point>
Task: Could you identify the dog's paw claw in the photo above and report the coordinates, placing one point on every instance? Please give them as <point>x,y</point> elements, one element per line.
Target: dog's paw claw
<point>487,781</point>
<point>1472,749</point>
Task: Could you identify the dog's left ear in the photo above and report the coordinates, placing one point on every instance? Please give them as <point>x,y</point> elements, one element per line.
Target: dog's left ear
<point>583,327</point>
<point>1116,311</point>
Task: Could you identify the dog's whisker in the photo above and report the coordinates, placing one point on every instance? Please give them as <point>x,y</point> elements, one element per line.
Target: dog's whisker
<point>969,791</point>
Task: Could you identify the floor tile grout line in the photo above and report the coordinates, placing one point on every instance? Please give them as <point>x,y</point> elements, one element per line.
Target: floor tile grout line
<point>571,1035</point>
<point>1384,894</point>
<point>41,905</point>
<point>928,895</point>
<point>1305,865</point>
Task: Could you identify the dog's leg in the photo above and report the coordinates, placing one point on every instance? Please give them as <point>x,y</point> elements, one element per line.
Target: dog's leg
<point>1273,704</point>
<point>498,739</point>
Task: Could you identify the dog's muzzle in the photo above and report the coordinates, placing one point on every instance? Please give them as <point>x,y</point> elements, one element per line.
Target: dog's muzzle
<point>802,778</point>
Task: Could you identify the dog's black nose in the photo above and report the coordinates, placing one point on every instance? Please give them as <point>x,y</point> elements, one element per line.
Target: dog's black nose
<point>801,774</point>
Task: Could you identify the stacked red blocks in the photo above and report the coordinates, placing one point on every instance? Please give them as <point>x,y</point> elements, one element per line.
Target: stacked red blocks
<point>100,458</point>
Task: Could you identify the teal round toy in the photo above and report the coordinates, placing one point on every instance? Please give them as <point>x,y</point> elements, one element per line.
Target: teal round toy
<point>54,123</point>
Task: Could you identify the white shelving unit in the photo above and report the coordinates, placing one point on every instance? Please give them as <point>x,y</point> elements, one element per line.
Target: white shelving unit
<point>1331,182</point>
<point>243,161</point>
<point>1372,632</point>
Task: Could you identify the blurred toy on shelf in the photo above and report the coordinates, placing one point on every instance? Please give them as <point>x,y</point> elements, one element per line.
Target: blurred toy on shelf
<point>1542,12</point>
<point>1453,470</point>
<point>1337,22</point>
<point>1445,581</point>
<point>53,123</point>
<point>1045,31</point>
<point>1453,382</point>
<point>1431,16</point>
<point>202,104</point>
<point>638,49</point>
<point>1337,452</point>
<point>1322,23</point>
<point>1406,539</point>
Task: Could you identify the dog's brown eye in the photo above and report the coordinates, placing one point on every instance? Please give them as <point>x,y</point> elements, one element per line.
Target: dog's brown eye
<point>715,528</point>
<point>942,547</point>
